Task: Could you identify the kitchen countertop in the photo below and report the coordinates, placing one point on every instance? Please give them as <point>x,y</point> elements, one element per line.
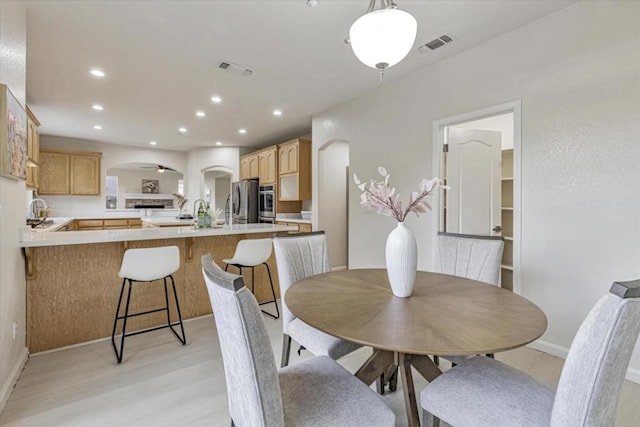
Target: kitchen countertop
<point>47,238</point>
<point>292,218</point>
<point>167,221</point>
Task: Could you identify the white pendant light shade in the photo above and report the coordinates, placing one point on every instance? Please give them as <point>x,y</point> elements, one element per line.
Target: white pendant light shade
<point>382,38</point>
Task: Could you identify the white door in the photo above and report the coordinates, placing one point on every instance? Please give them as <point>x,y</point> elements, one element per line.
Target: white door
<point>474,174</point>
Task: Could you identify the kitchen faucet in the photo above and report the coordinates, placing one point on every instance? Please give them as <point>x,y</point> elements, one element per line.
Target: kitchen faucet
<point>33,206</point>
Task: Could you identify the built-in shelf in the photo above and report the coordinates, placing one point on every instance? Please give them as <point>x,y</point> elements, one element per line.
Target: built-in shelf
<point>508,238</point>
<point>507,178</point>
<point>507,208</point>
<point>507,267</point>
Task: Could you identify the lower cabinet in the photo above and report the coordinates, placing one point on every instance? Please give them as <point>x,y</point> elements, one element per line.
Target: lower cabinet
<point>107,224</point>
<point>302,228</point>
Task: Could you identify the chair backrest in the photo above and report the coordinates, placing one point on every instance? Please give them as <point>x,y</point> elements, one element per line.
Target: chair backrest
<point>470,256</point>
<point>147,264</point>
<point>299,256</point>
<point>253,251</point>
<point>595,367</point>
<point>250,370</point>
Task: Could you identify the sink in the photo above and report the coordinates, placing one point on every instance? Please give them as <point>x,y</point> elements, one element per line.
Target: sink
<point>39,222</point>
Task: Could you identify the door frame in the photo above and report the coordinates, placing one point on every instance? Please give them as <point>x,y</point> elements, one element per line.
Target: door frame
<point>514,107</point>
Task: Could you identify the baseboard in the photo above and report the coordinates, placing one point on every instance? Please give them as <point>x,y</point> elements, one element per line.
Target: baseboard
<point>7,387</point>
<point>632,374</point>
<point>340,268</point>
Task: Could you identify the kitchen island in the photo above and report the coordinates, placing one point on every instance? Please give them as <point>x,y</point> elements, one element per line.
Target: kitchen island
<point>73,284</point>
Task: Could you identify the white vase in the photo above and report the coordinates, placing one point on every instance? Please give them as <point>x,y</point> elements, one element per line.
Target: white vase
<point>402,260</point>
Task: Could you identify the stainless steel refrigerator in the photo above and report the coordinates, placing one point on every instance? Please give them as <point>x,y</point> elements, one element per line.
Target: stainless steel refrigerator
<point>244,196</point>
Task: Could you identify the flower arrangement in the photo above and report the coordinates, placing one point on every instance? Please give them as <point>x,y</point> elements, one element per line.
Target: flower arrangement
<point>381,198</point>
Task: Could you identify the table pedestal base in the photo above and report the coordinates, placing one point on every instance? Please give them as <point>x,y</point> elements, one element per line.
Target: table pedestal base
<point>391,363</point>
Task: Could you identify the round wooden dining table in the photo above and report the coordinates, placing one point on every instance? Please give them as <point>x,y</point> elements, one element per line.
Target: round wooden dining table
<point>444,316</point>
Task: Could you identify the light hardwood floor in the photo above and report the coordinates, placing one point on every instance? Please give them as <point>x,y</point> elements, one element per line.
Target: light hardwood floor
<point>161,383</point>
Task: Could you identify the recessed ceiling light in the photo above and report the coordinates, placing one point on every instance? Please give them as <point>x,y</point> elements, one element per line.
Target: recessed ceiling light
<point>182,130</point>
<point>97,107</point>
<point>200,114</point>
<point>96,72</point>
<point>216,99</point>
<point>218,143</point>
<point>97,127</point>
<point>152,142</point>
<point>277,112</point>
<point>243,131</point>
<point>312,3</point>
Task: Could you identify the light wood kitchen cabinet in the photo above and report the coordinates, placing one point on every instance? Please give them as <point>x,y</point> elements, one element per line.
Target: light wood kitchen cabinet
<point>33,149</point>
<point>54,172</point>
<point>69,172</point>
<point>267,169</point>
<point>106,224</point>
<point>295,174</point>
<point>302,228</point>
<point>85,174</point>
<point>289,157</point>
<point>249,166</point>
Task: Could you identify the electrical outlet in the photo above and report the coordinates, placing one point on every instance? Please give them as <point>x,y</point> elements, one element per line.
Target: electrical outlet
<point>15,329</point>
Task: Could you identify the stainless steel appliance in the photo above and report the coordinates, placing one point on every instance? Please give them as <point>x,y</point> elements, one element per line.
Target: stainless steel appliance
<point>244,196</point>
<point>267,203</point>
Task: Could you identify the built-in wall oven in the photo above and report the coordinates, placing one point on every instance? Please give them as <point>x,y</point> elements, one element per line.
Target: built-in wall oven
<point>267,203</point>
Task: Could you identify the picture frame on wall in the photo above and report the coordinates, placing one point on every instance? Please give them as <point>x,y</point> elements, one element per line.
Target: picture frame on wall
<point>150,186</point>
<point>13,136</point>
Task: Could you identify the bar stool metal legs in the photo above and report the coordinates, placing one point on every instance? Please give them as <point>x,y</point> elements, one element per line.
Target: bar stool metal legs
<point>181,337</point>
<point>253,279</point>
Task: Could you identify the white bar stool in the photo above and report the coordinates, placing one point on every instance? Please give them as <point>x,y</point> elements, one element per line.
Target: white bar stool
<point>147,265</point>
<point>250,254</point>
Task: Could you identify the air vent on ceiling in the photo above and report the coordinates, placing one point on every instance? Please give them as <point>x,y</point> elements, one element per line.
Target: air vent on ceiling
<point>233,68</point>
<point>436,43</point>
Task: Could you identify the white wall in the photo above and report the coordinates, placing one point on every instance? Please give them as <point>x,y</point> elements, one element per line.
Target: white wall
<point>130,181</point>
<point>112,155</point>
<point>577,74</point>
<point>201,159</point>
<point>13,353</point>
<point>333,162</point>
<point>222,190</point>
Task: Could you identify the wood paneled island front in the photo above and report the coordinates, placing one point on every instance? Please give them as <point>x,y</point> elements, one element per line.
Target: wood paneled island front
<point>73,284</point>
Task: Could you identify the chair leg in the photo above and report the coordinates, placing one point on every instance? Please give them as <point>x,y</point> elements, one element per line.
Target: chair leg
<point>124,323</point>
<point>429,420</point>
<point>491,355</point>
<point>273,292</point>
<point>183,340</point>
<point>436,360</point>
<point>380,384</point>
<point>286,349</point>
<point>115,320</point>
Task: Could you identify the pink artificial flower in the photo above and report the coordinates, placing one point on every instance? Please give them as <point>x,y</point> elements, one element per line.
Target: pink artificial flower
<point>378,196</point>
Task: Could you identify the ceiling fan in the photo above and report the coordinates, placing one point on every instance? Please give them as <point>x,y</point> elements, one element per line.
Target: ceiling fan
<point>159,168</point>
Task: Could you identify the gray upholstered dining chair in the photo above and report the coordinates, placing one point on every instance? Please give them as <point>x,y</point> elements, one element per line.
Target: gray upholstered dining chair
<point>484,392</point>
<point>469,256</point>
<point>299,256</point>
<point>313,392</point>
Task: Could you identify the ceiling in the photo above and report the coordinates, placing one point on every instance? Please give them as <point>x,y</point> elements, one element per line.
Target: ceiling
<point>160,62</point>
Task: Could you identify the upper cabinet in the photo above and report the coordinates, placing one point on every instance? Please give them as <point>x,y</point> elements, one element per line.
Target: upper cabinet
<point>289,157</point>
<point>295,170</point>
<point>33,149</point>
<point>267,159</point>
<point>69,172</point>
<point>249,166</point>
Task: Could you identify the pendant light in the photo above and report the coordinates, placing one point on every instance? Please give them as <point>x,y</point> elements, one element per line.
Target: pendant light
<point>382,38</point>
